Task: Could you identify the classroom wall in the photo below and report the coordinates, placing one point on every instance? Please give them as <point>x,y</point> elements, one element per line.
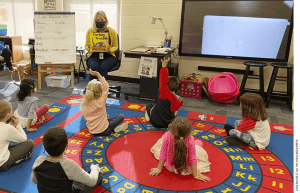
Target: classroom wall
<point>136,29</point>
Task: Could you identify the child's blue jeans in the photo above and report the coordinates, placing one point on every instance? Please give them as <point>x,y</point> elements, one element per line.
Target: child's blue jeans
<point>245,137</point>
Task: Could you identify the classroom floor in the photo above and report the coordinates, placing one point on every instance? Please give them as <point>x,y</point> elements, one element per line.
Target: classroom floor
<point>278,111</point>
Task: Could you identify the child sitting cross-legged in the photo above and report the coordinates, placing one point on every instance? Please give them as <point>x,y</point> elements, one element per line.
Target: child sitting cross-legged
<point>94,111</point>
<point>55,173</point>
<point>163,113</point>
<point>11,155</point>
<point>254,128</point>
<point>180,153</point>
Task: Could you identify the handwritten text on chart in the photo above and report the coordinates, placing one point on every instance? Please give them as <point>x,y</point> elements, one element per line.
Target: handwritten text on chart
<point>41,50</point>
<point>59,38</point>
<point>52,16</point>
<point>63,50</point>
<point>55,37</point>
<point>60,22</point>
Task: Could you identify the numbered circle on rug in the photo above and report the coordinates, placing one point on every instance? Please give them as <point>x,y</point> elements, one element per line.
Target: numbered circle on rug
<point>126,160</point>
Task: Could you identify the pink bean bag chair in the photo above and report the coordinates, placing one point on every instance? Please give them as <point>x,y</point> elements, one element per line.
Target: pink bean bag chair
<point>223,87</point>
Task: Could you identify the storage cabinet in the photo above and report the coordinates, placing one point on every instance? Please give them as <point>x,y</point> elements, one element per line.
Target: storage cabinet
<point>15,43</point>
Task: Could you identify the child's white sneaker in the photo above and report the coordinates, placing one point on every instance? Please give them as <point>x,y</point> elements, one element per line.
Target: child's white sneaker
<point>146,116</point>
<point>122,127</point>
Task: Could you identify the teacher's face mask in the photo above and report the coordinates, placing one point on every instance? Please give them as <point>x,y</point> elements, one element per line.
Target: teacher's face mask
<point>100,24</point>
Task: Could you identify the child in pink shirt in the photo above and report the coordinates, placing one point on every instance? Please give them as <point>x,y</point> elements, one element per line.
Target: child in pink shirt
<point>94,111</point>
<point>178,141</point>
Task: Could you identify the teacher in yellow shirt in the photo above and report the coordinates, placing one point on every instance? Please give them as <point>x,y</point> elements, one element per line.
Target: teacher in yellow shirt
<point>102,62</point>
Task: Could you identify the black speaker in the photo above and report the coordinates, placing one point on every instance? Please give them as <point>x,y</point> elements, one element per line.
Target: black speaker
<point>173,69</point>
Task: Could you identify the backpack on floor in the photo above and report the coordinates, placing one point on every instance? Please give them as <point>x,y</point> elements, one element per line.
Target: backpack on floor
<point>223,87</point>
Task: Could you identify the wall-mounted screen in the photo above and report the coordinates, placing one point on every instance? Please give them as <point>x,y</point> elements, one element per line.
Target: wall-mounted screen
<point>251,30</point>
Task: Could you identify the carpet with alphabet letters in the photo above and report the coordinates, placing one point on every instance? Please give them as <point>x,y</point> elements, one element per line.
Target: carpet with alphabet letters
<point>126,160</point>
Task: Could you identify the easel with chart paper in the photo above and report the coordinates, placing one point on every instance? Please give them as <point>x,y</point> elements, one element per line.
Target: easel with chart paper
<point>55,43</point>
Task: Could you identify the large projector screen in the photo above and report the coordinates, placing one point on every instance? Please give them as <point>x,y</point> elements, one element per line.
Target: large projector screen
<point>250,30</point>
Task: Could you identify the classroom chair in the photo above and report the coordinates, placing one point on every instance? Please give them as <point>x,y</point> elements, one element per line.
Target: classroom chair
<point>288,79</point>
<point>12,79</point>
<point>112,89</point>
<point>261,66</point>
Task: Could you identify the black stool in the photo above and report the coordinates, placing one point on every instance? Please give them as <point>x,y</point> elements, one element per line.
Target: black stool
<point>288,79</point>
<point>261,66</point>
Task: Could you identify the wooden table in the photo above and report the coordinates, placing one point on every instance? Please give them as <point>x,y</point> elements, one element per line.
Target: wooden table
<point>70,68</point>
<point>148,86</point>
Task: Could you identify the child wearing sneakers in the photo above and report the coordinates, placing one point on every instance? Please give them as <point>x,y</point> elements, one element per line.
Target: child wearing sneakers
<point>163,113</point>
<point>11,155</point>
<point>254,128</point>
<point>55,173</point>
<point>94,111</point>
<point>28,112</point>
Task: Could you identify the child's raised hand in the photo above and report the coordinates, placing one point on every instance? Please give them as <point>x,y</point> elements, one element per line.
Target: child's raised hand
<point>94,73</point>
<point>165,62</point>
<point>155,171</point>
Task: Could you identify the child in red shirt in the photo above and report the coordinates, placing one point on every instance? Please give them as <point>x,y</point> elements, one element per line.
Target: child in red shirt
<point>163,113</point>
<point>254,128</point>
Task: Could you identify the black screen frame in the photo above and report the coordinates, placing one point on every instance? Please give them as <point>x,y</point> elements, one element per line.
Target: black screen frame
<point>287,53</point>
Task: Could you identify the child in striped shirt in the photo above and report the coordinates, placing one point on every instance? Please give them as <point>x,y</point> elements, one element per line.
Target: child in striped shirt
<point>28,112</point>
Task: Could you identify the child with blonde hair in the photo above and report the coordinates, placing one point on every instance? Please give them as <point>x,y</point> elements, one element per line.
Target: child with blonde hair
<point>94,111</point>
<point>11,155</point>
<point>254,128</point>
<point>180,153</point>
<point>28,112</point>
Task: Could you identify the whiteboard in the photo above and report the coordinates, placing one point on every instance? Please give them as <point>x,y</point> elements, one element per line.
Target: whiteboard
<point>55,37</point>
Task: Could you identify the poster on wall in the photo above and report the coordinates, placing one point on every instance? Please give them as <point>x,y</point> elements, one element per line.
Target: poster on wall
<point>49,4</point>
<point>147,66</point>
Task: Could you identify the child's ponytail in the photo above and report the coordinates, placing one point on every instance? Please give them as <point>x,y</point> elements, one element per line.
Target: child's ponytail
<point>180,154</point>
<point>26,86</point>
<point>181,128</point>
<point>89,95</point>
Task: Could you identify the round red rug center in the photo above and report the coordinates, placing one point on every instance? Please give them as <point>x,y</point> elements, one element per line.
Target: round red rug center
<point>130,156</point>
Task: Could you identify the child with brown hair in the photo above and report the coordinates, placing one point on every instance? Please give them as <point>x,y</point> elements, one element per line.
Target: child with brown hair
<point>163,113</point>
<point>11,155</point>
<point>180,153</point>
<point>55,173</point>
<point>94,111</point>
<point>254,128</point>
